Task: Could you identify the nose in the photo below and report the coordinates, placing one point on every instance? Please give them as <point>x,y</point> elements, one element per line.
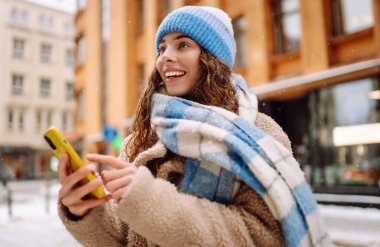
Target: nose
<point>169,55</point>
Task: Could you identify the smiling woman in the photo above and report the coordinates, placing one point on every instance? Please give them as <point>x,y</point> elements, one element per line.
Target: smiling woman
<point>201,167</point>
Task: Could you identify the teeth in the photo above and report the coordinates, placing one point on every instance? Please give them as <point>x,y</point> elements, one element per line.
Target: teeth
<point>174,73</point>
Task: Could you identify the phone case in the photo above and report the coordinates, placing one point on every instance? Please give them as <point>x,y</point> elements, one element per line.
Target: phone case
<point>59,146</point>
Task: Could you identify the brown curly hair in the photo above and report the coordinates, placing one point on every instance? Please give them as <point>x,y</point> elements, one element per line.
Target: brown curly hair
<point>214,87</point>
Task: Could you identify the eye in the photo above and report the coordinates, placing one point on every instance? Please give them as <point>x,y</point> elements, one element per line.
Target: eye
<point>161,50</point>
<point>183,45</point>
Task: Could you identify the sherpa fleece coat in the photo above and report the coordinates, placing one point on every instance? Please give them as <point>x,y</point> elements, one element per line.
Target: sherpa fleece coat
<point>154,213</point>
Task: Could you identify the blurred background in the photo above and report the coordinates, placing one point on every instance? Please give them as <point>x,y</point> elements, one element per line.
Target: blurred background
<point>81,66</point>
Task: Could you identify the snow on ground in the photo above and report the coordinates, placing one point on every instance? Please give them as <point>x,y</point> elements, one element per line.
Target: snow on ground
<point>352,226</point>
<point>31,225</point>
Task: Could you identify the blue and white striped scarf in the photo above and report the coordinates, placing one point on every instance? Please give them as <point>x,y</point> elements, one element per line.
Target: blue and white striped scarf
<point>221,148</point>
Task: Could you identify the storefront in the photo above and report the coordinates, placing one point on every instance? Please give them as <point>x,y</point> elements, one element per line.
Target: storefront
<point>334,127</point>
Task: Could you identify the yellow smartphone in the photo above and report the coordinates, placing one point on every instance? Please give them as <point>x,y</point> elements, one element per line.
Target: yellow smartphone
<point>59,145</point>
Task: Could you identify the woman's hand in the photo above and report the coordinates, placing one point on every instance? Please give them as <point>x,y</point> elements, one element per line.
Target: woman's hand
<point>117,179</point>
<point>71,194</point>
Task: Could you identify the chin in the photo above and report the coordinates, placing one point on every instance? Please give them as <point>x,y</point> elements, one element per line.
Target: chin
<point>176,93</point>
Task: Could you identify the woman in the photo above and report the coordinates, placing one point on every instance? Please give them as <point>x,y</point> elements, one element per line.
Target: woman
<point>201,166</point>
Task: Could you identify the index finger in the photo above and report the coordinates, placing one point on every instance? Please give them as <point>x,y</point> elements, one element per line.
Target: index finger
<point>108,160</point>
<point>62,167</point>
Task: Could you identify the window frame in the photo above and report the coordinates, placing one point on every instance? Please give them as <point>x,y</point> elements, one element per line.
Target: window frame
<point>46,53</point>
<point>45,87</point>
<point>18,48</point>
<point>280,46</point>
<point>17,84</point>
<point>337,22</point>
<point>69,91</point>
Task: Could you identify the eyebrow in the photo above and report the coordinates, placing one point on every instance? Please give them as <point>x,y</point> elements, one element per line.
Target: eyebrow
<point>180,36</point>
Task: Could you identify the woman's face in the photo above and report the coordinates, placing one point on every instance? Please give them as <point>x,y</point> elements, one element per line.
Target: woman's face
<point>178,63</point>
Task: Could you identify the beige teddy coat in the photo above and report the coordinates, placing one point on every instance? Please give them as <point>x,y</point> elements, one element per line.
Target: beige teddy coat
<point>154,213</point>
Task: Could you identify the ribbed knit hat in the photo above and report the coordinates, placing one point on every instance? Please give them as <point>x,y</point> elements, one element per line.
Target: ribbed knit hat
<point>210,27</point>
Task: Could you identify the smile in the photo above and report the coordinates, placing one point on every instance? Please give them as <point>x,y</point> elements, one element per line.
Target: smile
<point>174,74</point>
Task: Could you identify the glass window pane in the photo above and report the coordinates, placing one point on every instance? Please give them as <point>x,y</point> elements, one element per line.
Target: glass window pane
<point>352,103</point>
<point>357,15</point>
<point>18,48</point>
<point>346,123</point>
<point>292,31</point>
<point>45,88</point>
<point>240,26</point>
<point>81,106</point>
<point>21,120</point>
<point>38,120</point>
<point>45,53</point>
<point>17,84</point>
<point>290,6</point>
<point>287,26</point>
<point>49,119</point>
<point>81,51</point>
<point>81,4</point>
<point>14,14</point>
<point>10,119</point>
<point>69,91</point>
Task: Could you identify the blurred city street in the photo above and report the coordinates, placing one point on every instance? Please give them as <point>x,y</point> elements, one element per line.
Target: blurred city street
<point>34,220</point>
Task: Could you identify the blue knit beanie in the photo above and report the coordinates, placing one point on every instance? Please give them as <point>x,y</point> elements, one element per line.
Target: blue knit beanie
<point>210,27</point>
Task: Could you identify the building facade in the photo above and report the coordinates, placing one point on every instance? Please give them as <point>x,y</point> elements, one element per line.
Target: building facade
<point>314,66</point>
<point>36,83</point>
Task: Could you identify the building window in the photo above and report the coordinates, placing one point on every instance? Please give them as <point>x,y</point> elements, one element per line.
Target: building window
<point>350,16</point>
<point>49,119</point>
<point>287,26</point>
<point>41,20</point>
<point>45,53</point>
<point>45,88</point>
<point>69,91</point>
<point>69,57</point>
<point>81,106</point>
<point>38,120</point>
<point>18,48</point>
<point>21,120</point>
<point>10,119</point>
<point>24,16</point>
<point>50,22</point>
<point>140,13</point>
<point>81,4</point>
<point>240,27</point>
<point>13,14</point>
<point>64,121</point>
<point>67,27</point>
<point>81,51</point>
<point>17,84</point>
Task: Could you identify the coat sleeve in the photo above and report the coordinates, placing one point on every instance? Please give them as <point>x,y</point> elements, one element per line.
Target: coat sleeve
<point>154,208</point>
<point>99,227</point>
<point>268,125</point>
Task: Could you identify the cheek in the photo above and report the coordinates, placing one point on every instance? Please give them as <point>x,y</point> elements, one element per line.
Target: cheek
<point>158,65</point>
